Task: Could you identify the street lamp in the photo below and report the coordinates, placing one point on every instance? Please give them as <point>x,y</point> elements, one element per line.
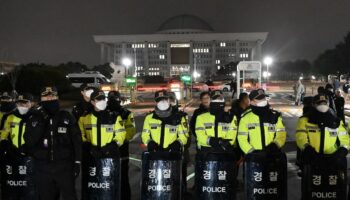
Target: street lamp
<point>127,63</point>
<point>196,75</point>
<point>267,61</point>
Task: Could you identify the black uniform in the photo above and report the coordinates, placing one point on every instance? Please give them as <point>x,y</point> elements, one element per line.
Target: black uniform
<point>54,141</point>
<point>82,108</point>
<point>339,105</point>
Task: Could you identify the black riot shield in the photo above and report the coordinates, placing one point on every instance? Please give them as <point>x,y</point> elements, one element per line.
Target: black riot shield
<point>161,176</point>
<point>325,178</point>
<point>101,178</point>
<point>17,177</point>
<point>215,176</point>
<point>266,176</point>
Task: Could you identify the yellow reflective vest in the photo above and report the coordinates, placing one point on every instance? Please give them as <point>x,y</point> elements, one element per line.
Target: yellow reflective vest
<point>163,132</point>
<point>310,134</point>
<point>205,129</point>
<point>250,134</point>
<point>13,130</point>
<point>129,124</point>
<point>101,130</point>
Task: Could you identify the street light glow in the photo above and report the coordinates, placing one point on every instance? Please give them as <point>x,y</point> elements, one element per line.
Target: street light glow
<point>234,74</point>
<point>196,74</point>
<point>268,60</point>
<point>126,62</point>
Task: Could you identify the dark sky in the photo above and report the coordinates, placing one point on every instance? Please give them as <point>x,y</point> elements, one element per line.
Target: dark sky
<point>55,31</point>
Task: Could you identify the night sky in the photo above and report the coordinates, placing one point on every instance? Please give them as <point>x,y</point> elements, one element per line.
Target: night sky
<point>56,31</point>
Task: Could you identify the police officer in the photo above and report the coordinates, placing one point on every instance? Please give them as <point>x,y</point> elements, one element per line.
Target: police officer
<point>162,128</point>
<point>7,105</point>
<point>83,107</point>
<point>321,132</point>
<point>260,127</point>
<point>52,137</point>
<point>203,107</point>
<point>216,130</point>
<point>184,122</point>
<point>102,129</point>
<point>114,104</point>
<point>12,143</point>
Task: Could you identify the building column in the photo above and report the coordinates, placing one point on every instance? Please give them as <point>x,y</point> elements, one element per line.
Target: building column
<point>213,48</point>
<point>257,51</point>
<point>191,58</point>
<point>238,52</point>
<point>102,59</point>
<point>109,53</point>
<point>167,72</point>
<point>146,59</point>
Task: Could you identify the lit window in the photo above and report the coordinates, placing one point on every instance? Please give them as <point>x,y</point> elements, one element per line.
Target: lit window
<point>222,44</point>
<point>162,57</point>
<point>218,67</point>
<point>217,61</point>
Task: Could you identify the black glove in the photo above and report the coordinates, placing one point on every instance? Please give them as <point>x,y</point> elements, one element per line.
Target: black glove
<point>152,146</point>
<point>272,148</point>
<point>77,166</point>
<point>309,154</point>
<point>23,150</point>
<point>214,142</point>
<point>111,150</point>
<point>226,146</point>
<point>175,146</point>
<point>341,152</point>
<point>95,152</point>
<point>4,144</point>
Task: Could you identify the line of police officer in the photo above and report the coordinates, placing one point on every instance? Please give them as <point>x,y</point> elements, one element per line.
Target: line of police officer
<point>53,138</point>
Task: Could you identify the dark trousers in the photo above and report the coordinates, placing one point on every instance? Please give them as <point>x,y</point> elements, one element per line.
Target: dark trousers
<point>125,185</point>
<point>55,179</point>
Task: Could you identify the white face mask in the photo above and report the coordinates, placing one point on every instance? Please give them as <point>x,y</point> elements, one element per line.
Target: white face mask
<point>163,105</point>
<point>22,110</point>
<point>101,105</point>
<point>261,103</point>
<point>88,93</point>
<point>322,108</point>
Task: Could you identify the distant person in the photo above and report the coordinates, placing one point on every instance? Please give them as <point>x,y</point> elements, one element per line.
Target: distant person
<point>336,84</point>
<point>299,92</point>
<point>339,105</point>
<point>331,96</point>
<point>346,89</point>
<point>233,88</point>
<point>320,90</point>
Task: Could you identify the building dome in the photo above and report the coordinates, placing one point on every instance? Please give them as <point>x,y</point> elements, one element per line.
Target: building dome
<point>184,24</point>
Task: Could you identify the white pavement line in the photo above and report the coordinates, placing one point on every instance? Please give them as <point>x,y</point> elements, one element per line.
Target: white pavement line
<point>135,136</point>
<point>134,159</point>
<point>189,177</point>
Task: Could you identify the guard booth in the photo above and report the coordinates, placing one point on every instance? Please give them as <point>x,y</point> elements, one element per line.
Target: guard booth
<point>101,178</point>
<point>265,176</point>
<point>248,76</point>
<point>17,181</point>
<point>215,176</point>
<point>325,178</point>
<point>161,175</point>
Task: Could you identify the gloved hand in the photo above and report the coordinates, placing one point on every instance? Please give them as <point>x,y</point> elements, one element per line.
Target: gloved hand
<point>214,142</point>
<point>111,150</point>
<point>23,150</point>
<point>341,152</point>
<point>152,146</point>
<point>175,146</point>
<point>272,148</point>
<point>309,154</point>
<point>77,166</point>
<point>95,152</point>
<point>4,144</point>
<point>225,145</point>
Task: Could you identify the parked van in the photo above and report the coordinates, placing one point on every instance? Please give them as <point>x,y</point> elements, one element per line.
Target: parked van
<point>89,77</point>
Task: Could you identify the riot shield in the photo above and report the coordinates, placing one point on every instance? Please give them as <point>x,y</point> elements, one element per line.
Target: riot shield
<point>266,176</point>
<point>101,178</point>
<point>161,175</point>
<point>215,176</point>
<point>17,180</point>
<point>325,178</point>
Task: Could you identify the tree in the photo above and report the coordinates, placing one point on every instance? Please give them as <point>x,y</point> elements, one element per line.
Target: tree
<point>104,69</point>
<point>336,59</point>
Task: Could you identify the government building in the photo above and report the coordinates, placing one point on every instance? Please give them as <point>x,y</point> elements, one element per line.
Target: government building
<point>183,44</point>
